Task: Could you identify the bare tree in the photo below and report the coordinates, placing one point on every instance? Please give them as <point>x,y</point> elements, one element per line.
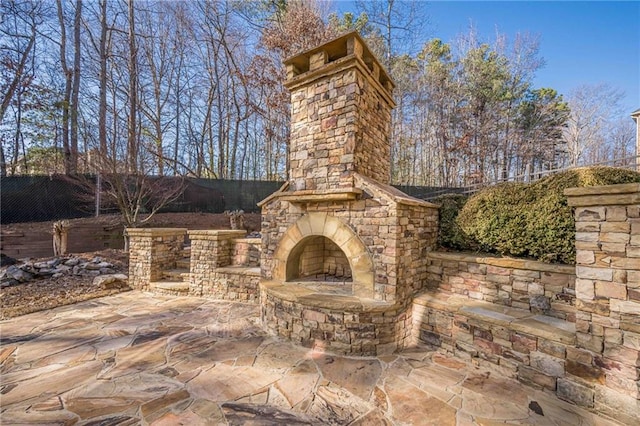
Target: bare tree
<point>19,28</point>
<point>132,123</point>
<point>592,108</point>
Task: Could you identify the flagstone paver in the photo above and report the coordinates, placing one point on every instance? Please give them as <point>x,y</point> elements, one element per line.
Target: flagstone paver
<point>136,358</point>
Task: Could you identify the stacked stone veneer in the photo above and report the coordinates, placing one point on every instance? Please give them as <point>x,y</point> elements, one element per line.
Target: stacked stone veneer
<point>602,371</point>
<point>339,195</point>
<point>535,286</point>
<point>395,239</point>
<point>322,257</point>
<point>340,116</point>
<point>152,251</point>
<point>221,265</point>
<point>584,348</point>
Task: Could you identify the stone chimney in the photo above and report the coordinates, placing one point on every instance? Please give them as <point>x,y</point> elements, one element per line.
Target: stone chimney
<point>341,101</point>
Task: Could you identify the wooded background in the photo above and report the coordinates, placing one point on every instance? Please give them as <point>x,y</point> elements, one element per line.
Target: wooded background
<point>194,88</point>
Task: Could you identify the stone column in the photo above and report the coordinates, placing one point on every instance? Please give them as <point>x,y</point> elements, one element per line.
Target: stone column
<point>151,251</point>
<point>210,250</point>
<point>603,370</point>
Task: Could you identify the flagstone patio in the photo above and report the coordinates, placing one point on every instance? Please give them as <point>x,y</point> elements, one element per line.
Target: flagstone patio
<point>137,358</point>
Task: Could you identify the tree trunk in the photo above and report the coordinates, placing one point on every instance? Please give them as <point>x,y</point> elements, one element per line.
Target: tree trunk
<point>102,77</point>
<point>68,75</point>
<point>75,90</point>
<point>132,145</point>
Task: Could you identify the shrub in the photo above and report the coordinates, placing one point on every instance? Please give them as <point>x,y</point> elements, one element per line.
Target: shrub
<point>449,233</point>
<point>530,220</point>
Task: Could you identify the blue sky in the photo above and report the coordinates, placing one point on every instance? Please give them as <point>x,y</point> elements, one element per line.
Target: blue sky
<point>582,42</point>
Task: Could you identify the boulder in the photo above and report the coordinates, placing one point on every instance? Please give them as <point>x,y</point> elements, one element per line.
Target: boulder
<point>110,281</point>
<point>18,274</point>
<point>7,260</point>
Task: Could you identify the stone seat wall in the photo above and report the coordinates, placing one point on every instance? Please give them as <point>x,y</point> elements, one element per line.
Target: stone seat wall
<point>586,349</point>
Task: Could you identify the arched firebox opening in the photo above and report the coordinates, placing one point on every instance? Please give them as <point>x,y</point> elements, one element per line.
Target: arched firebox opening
<point>323,249</point>
<point>317,258</point>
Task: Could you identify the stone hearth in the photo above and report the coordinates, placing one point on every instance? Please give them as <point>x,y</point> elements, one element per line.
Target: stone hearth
<point>342,251</point>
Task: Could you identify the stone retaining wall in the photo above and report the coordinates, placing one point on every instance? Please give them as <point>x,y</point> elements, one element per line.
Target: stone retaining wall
<point>210,250</point>
<point>587,352</point>
<point>246,251</point>
<point>240,284</point>
<point>525,284</point>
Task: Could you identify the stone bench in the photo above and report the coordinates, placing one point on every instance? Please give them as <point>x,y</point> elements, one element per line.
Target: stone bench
<point>338,323</point>
<point>523,345</point>
<point>237,283</point>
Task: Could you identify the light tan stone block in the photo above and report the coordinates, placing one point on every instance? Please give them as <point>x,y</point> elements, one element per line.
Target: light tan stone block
<point>585,257</point>
<point>633,251</point>
<point>614,249</point>
<point>588,236</point>
<point>622,354</point>
<point>615,227</point>
<point>608,289</point>
<point>604,274</point>
<point>588,226</point>
<point>616,214</point>
<point>585,289</point>
<point>614,237</point>
<point>625,307</point>
<point>633,279</point>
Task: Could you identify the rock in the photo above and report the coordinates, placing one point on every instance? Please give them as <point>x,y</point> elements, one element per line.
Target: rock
<point>91,266</point>
<point>540,302</point>
<point>54,262</point>
<point>44,272</point>
<point>536,408</point>
<point>96,259</point>
<point>7,260</point>
<point>57,275</point>
<point>74,261</point>
<point>104,271</point>
<point>62,269</point>
<point>236,413</point>
<point>8,282</point>
<point>18,274</point>
<point>41,265</point>
<point>110,281</point>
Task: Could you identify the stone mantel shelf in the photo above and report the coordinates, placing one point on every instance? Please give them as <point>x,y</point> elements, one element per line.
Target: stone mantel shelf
<point>316,196</point>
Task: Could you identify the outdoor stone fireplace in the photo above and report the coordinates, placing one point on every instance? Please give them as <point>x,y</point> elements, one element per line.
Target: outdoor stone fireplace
<point>342,250</point>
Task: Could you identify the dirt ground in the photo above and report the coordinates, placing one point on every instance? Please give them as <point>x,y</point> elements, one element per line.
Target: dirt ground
<point>48,293</point>
<point>160,220</point>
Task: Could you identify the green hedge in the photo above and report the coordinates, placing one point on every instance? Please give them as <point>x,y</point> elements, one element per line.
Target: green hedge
<point>523,220</point>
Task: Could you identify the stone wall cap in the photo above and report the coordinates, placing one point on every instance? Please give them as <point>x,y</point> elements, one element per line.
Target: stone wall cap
<point>216,233</point>
<point>251,240</point>
<point>623,188</point>
<point>504,262</point>
<point>607,195</point>
<point>154,231</point>
<point>521,320</point>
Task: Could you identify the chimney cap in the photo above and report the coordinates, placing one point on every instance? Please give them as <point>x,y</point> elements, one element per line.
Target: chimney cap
<point>350,43</point>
